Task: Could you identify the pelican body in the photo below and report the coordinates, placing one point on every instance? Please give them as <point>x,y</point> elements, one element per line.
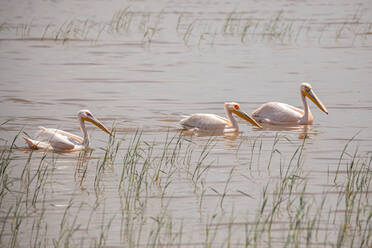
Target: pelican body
<point>217,124</point>
<point>277,113</point>
<point>61,141</point>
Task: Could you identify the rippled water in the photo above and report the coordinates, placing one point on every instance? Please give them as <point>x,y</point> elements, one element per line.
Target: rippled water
<point>144,64</point>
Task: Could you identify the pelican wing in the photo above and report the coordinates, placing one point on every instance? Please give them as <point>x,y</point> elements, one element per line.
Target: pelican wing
<point>204,122</point>
<point>277,112</point>
<point>58,139</point>
<point>51,131</point>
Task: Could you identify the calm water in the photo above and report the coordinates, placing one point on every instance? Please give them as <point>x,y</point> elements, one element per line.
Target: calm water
<point>144,64</point>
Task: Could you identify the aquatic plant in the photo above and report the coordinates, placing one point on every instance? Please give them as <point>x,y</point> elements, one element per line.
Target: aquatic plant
<point>142,173</point>
<point>193,30</point>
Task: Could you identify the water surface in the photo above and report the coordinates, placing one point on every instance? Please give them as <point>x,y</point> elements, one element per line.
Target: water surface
<point>144,64</point>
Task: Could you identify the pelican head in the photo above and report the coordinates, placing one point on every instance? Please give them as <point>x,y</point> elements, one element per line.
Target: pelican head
<point>86,115</point>
<point>307,90</point>
<point>234,107</point>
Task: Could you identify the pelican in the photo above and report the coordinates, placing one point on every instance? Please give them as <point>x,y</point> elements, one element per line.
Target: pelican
<point>214,123</point>
<point>277,113</point>
<point>61,141</point>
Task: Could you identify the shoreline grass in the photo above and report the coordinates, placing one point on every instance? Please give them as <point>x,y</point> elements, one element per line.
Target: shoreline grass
<point>146,28</point>
<point>145,176</point>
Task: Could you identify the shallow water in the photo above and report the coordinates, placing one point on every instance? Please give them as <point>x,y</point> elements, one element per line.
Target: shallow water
<point>165,59</point>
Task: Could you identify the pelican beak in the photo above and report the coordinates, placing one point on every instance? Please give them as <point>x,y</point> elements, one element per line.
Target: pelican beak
<point>98,124</point>
<point>246,117</point>
<point>311,95</point>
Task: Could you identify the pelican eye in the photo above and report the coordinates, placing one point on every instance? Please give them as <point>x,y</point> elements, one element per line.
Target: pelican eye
<point>89,114</point>
<point>236,106</point>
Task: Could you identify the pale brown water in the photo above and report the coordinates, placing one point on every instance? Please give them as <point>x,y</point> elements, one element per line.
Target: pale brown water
<point>133,80</point>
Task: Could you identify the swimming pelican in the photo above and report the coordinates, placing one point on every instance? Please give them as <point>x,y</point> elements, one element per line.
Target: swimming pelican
<point>277,113</point>
<point>215,123</point>
<point>61,141</point>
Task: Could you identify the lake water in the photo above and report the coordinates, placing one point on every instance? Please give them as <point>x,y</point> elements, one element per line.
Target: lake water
<point>142,65</point>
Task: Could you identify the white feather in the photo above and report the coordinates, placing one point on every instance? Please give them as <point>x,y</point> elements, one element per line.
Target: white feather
<point>204,122</point>
<point>277,112</point>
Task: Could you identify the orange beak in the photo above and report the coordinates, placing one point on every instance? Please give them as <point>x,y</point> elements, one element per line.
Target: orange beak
<point>311,95</point>
<point>246,117</point>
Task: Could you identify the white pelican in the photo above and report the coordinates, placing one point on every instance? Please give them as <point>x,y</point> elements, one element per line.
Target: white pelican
<point>217,124</point>
<point>61,141</point>
<point>277,113</point>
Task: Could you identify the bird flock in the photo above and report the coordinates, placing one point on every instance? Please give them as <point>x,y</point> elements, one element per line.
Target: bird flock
<point>270,113</point>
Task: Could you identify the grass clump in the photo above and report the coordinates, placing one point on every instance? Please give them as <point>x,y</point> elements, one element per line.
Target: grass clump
<point>131,196</point>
